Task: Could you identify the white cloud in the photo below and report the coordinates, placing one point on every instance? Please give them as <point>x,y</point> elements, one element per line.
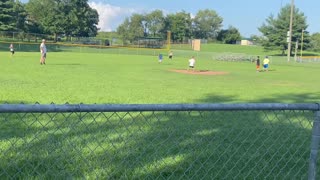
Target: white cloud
<point>110,16</point>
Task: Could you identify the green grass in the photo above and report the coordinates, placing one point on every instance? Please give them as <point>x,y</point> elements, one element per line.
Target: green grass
<point>227,48</point>
<point>150,145</point>
<point>114,78</point>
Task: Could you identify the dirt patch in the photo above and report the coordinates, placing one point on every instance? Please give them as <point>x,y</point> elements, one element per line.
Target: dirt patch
<point>200,72</point>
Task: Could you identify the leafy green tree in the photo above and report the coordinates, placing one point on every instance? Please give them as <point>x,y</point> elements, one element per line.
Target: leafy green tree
<point>47,14</point>
<point>136,28</point>
<point>132,28</point>
<point>123,30</point>
<point>71,17</point>
<point>20,15</point>
<point>155,23</point>
<point>229,36</point>
<point>82,18</point>
<point>32,26</point>
<point>179,24</point>
<point>7,21</point>
<point>257,39</point>
<point>207,24</point>
<point>315,42</point>
<point>275,29</point>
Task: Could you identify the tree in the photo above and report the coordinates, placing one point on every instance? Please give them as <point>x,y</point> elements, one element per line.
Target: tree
<point>315,42</point>
<point>179,24</point>
<point>275,29</point>
<point>47,14</point>
<point>123,30</point>
<point>207,24</point>
<point>32,26</point>
<point>155,22</point>
<point>132,28</point>
<point>20,15</point>
<point>257,39</point>
<point>83,19</point>
<point>136,28</point>
<point>7,21</point>
<point>229,36</point>
<point>71,17</point>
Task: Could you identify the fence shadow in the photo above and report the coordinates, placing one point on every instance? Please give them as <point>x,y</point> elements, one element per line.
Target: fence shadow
<point>156,145</point>
<point>276,98</point>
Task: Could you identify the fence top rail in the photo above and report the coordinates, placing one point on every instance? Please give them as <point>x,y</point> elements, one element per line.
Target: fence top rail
<point>47,108</point>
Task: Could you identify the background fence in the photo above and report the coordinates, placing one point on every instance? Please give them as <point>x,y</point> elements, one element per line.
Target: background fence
<point>29,42</point>
<point>308,59</point>
<point>184,52</point>
<point>13,37</point>
<point>164,141</point>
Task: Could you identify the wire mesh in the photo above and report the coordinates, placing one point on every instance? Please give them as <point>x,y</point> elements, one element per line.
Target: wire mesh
<point>190,144</point>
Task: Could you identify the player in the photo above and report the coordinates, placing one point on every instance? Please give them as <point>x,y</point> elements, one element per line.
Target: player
<point>192,63</point>
<point>160,58</point>
<point>266,63</point>
<point>258,64</point>
<point>11,49</point>
<point>43,51</point>
<point>170,55</point>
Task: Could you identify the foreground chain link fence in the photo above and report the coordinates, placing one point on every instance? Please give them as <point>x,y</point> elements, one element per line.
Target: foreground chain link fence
<point>163,141</point>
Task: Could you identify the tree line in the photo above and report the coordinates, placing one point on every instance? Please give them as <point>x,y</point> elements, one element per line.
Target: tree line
<point>76,18</point>
<point>68,17</point>
<point>206,24</point>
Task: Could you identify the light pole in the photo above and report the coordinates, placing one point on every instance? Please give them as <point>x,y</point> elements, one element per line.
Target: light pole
<point>302,32</point>
<point>168,40</point>
<point>290,31</point>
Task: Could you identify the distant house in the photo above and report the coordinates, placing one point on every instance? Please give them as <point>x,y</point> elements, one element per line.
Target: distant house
<point>246,42</point>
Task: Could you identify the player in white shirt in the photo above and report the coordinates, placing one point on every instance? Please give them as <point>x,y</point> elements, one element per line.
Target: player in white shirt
<point>192,63</point>
<point>11,49</point>
<point>43,51</point>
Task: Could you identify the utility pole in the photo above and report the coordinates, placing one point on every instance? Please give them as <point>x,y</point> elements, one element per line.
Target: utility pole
<point>290,31</point>
<point>295,51</point>
<point>301,43</point>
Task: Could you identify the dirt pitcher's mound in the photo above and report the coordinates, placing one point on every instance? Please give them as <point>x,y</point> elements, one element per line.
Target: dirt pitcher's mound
<point>201,72</point>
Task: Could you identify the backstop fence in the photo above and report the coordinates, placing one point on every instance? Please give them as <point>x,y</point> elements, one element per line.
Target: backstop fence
<point>159,141</point>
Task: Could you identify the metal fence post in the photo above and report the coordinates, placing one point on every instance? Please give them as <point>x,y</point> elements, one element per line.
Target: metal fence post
<point>315,141</point>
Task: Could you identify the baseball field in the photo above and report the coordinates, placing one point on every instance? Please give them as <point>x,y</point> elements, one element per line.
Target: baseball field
<point>156,145</point>
<point>95,77</point>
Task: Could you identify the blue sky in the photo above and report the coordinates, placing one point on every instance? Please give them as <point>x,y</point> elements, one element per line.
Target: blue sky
<point>245,15</point>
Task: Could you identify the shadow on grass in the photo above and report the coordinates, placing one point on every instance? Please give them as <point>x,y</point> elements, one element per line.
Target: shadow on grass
<point>293,98</point>
<point>151,145</point>
<point>66,64</point>
<point>271,70</point>
<point>276,98</point>
<point>304,54</point>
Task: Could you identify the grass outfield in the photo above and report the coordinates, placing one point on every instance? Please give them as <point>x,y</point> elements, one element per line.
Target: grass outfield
<point>111,78</point>
<point>222,48</point>
<point>151,145</point>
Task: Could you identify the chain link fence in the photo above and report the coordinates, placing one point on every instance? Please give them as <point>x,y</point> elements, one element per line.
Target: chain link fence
<point>308,59</point>
<point>159,141</point>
